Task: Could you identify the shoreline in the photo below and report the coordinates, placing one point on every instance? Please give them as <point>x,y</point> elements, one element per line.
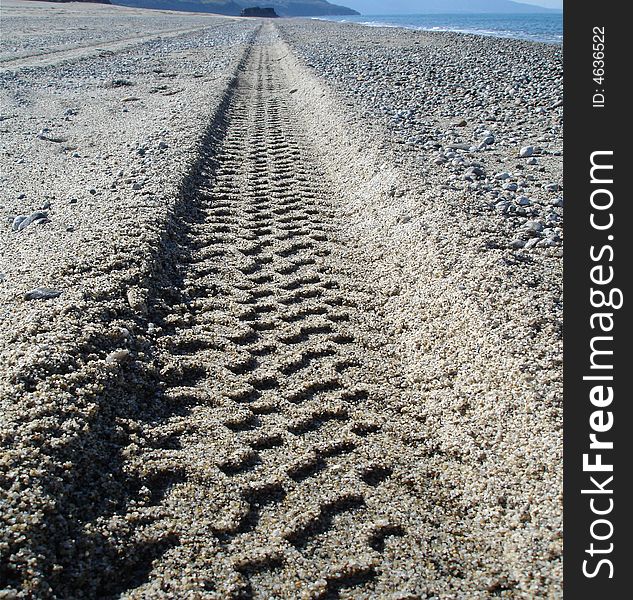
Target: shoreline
<point>382,21</point>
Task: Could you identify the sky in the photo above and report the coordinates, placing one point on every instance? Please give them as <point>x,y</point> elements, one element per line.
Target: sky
<point>362,5</point>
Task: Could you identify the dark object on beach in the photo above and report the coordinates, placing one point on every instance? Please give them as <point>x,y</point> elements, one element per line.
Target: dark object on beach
<point>256,11</point>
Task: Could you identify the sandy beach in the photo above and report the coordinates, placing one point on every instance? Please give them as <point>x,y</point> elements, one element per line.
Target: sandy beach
<point>280,309</point>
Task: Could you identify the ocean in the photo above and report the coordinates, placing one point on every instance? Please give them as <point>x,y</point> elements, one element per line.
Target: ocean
<point>545,27</point>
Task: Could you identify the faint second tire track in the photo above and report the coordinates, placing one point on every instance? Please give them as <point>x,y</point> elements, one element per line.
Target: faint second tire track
<point>58,55</point>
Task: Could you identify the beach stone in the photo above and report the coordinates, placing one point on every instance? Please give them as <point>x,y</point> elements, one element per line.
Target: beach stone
<point>17,221</point>
<point>526,151</point>
<point>475,172</point>
<point>42,294</point>
<point>531,243</point>
<point>532,227</point>
<point>459,146</point>
<point>117,356</point>
<point>22,222</point>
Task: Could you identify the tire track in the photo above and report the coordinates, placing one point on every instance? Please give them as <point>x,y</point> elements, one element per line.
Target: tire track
<point>55,56</point>
<point>272,469</point>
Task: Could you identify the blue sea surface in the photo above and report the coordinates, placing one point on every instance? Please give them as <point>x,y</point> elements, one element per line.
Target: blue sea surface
<point>545,27</point>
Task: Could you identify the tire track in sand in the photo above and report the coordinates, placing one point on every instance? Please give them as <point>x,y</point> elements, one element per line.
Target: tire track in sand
<point>270,458</point>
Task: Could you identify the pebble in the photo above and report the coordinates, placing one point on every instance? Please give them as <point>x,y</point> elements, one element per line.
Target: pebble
<point>459,146</point>
<point>43,135</point>
<point>475,172</point>
<point>526,151</point>
<point>42,294</point>
<point>21,222</point>
<point>532,227</point>
<point>531,243</point>
<point>117,356</point>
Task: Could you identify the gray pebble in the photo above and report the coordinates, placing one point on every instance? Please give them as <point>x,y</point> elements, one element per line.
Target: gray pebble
<point>22,222</point>
<point>532,227</point>
<point>42,294</point>
<point>526,151</point>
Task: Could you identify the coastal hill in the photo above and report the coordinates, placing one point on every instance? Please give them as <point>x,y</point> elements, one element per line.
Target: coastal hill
<point>284,8</point>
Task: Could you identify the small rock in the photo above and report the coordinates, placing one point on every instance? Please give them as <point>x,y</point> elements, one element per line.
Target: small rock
<point>22,222</point>
<point>116,83</point>
<point>43,135</point>
<point>42,294</point>
<point>117,356</point>
<point>475,172</point>
<point>459,146</point>
<point>136,300</point>
<point>532,227</point>
<point>17,221</point>
<point>523,201</point>
<point>526,151</point>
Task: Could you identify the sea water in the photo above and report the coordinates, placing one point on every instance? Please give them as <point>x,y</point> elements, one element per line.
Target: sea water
<point>545,27</point>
